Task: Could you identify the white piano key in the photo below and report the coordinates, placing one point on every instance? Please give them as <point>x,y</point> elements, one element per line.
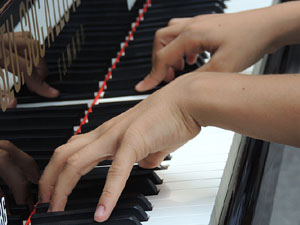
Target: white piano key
<point>189,184</point>
<point>241,5</point>
<point>182,211</point>
<point>191,176</point>
<point>159,214</point>
<point>193,168</point>
<point>201,219</point>
<point>196,159</point>
<point>195,196</point>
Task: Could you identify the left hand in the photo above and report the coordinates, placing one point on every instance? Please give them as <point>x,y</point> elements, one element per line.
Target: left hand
<point>18,169</point>
<point>145,134</point>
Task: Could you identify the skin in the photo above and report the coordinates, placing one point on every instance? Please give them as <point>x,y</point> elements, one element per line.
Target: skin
<point>265,107</point>
<point>36,82</point>
<point>18,170</point>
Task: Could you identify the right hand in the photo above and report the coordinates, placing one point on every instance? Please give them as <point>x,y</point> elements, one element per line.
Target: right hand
<point>146,134</point>
<point>36,81</point>
<point>235,41</point>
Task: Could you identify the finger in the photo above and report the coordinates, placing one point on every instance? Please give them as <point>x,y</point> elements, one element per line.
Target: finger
<point>168,57</point>
<point>115,182</point>
<point>170,76</point>
<point>15,179</point>
<point>176,21</point>
<point>192,59</point>
<point>153,160</point>
<point>78,165</point>
<point>19,40</point>
<point>12,104</point>
<point>162,38</point>
<point>43,89</point>
<point>171,73</point>
<point>219,63</point>
<point>179,65</point>
<point>25,162</point>
<point>60,156</point>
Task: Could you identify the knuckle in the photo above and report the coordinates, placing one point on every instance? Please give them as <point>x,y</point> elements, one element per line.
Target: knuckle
<point>73,160</point>
<point>59,153</point>
<point>159,33</point>
<point>106,125</point>
<point>172,21</point>
<point>41,182</point>
<point>4,157</point>
<point>30,161</point>
<point>136,142</point>
<point>190,28</point>
<point>7,144</point>
<point>108,194</point>
<point>73,138</point>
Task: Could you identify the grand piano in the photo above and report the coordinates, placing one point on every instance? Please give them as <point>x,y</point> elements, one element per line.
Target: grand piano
<point>95,59</point>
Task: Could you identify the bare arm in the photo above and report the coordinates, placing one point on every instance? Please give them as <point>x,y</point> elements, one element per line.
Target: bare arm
<point>236,41</point>
<point>264,107</point>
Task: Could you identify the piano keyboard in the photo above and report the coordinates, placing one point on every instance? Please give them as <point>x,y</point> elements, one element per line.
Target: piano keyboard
<point>184,189</point>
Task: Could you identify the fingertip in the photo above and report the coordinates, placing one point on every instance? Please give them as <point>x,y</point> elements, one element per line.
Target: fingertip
<point>144,85</point>
<point>101,214</point>
<point>139,86</point>
<point>46,91</point>
<point>12,104</point>
<point>170,75</point>
<point>53,93</point>
<point>191,59</point>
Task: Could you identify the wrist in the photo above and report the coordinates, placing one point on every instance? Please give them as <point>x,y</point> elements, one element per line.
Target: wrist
<point>216,97</point>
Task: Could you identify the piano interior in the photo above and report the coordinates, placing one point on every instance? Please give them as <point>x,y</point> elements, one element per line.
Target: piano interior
<point>81,53</point>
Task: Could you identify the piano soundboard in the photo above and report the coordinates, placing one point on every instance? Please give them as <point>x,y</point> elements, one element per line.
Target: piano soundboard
<point>186,189</point>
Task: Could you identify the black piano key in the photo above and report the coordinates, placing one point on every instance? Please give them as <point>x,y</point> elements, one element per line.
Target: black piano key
<point>99,175</point>
<point>15,219</point>
<point>139,70</point>
<point>87,213</point>
<point>58,110</point>
<point>36,131</point>
<point>27,142</point>
<point>131,198</point>
<point>118,220</point>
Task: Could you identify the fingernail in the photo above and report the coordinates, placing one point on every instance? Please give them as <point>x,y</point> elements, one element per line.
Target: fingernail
<point>139,85</point>
<point>100,211</point>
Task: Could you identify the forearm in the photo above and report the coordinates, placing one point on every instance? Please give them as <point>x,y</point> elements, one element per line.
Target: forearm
<point>285,22</point>
<point>264,107</point>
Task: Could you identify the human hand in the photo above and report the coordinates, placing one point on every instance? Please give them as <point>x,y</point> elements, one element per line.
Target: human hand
<point>235,42</point>
<point>145,134</point>
<point>12,104</point>
<point>36,81</point>
<point>17,169</point>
